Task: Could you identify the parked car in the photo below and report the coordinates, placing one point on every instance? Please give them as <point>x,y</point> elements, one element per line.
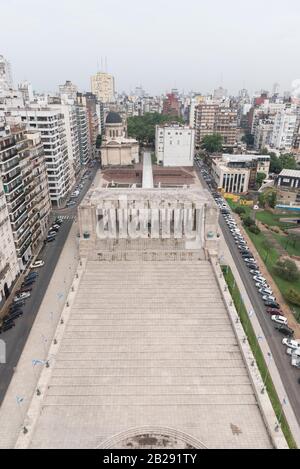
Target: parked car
<point>58,221</point>
<point>275,311</point>
<point>293,344</point>
<point>293,352</point>
<point>25,289</point>
<point>280,320</point>
<point>70,203</point>
<point>49,239</point>
<point>268,298</point>
<point>21,296</point>
<point>37,263</point>
<point>259,279</point>
<point>265,291</point>
<point>56,227</point>
<point>16,305</point>
<point>284,329</point>
<point>31,275</point>
<point>271,304</point>
<point>6,327</point>
<point>254,272</point>
<point>13,316</point>
<point>28,282</point>
<point>295,362</point>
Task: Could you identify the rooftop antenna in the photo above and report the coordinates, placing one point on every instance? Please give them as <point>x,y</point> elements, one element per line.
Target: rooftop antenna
<point>105,64</point>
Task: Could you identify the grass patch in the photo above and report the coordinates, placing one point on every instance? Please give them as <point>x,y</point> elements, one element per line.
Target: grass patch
<point>253,342</point>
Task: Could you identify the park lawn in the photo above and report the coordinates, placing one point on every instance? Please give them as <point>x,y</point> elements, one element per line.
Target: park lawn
<point>272,219</point>
<point>270,257</point>
<point>288,245</point>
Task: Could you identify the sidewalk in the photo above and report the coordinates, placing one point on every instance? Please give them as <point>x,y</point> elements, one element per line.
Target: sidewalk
<point>23,383</point>
<point>288,411</point>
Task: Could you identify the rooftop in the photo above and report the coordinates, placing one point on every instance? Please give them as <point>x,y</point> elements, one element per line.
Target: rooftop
<point>293,173</point>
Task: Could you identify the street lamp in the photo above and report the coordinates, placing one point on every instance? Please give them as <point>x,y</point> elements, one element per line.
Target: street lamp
<point>268,364</point>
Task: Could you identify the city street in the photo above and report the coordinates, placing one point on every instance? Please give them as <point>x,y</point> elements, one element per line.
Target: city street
<point>289,375</point>
<point>16,337</point>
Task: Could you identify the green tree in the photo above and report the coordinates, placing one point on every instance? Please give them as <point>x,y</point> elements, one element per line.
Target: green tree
<point>248,221</point>
<point>287,270</point>
<point>142,128</point>
<point>294,237</point>
<point>254,229</point>
<point>212,143</point>
<point>240,210</point>
<point>288,161</point>
<point>275,164</point>
<point>293,297</point>
<point>260,177</point>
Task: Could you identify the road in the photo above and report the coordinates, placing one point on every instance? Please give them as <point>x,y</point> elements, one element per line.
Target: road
<point>289,375</point>
<point>16,338</point>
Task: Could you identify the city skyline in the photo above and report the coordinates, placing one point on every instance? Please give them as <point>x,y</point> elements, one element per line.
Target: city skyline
<point>198,51</point>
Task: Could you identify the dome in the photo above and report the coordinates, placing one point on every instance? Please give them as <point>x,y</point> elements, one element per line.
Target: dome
<point>113,118</point>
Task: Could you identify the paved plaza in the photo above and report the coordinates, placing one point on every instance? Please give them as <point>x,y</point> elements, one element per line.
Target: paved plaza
<point>149,344</point>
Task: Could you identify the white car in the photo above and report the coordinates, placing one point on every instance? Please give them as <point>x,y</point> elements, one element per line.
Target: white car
<point>293,352</point>
<point>265,291</point>
<point>260,285</point>
<point>22,296</point>
<point>259,279</point>
<point>268,298</point>
<point>293,344</point>
<point>280,320</point>
<point>37,263</point>
<point>295,362</point>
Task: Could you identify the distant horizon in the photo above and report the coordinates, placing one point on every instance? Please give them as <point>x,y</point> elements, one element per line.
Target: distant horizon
<point>163,45</point>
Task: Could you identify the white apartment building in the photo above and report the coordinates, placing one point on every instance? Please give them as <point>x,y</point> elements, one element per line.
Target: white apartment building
<point>103,86</point>
<point>174,145</point>
<point>50,123</point>
<point>284,129</point>
<point>68,112</point>
<point>9,266</point>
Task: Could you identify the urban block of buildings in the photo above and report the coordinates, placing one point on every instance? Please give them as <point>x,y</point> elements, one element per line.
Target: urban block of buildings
<point>237,173</point>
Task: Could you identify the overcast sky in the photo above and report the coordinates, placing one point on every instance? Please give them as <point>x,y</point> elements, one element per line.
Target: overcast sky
<point>161,44</point>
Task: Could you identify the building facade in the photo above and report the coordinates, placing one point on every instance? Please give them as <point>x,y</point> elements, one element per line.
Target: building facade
<point>171,105</point>
<point>174,145</point>
<point>6,82</point>
<point>288,187</point>
<point>116,149</point>
<point>103,87</point>
<point>50,123</point>
<point>9,266</point>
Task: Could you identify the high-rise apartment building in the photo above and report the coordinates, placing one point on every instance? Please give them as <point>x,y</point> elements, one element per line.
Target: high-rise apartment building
<point>83,130</point>
<point>211,118</point>
<point>23,173</point>
<point>171,105</point>
<point>9,266</point>
<point>284,129</point>
<point>103,86</point>
<point>50,123</point>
